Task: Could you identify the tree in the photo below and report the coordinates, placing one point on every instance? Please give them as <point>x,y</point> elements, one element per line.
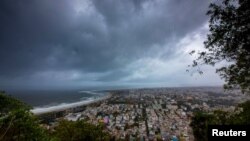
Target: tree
<point>8,103</point>
<point>242,114</point>
<point>80,131</point>
<point>17,122</point>
<point>201,120</point>
<point>21,125</point>
<point>229,40</point>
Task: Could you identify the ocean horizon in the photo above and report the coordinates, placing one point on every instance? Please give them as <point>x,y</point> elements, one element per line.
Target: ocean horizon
<point>47,98</point>
<point>50,98</point>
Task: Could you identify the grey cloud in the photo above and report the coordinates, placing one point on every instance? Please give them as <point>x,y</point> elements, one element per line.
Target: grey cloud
<point>45,35</point>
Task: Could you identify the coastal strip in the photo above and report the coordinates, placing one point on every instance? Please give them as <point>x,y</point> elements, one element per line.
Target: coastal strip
<point>68,106</point>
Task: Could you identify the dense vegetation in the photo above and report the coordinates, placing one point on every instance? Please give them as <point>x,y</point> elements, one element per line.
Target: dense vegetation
<point>80,131</point>
<point>201,120</point>
<point>7,104</point>
<point>228,41</point>
<point>17,123</point>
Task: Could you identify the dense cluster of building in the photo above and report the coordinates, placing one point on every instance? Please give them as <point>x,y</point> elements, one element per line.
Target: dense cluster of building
<point>154,114</point>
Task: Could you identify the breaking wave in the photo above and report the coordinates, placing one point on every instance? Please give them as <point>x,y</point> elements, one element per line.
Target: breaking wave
<point>62,106</point>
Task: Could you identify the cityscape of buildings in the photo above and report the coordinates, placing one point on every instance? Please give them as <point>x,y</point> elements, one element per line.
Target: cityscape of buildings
<point>150,114</point>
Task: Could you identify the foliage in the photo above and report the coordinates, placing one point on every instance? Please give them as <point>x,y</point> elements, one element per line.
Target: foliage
<point>17,123</point>
<point>80,131</point>
<point>243,115</point>
<point>201,120</point>
<point>200,125</point>
<point>228,41</point>
<point>8,103</point>
<point>21,125</point>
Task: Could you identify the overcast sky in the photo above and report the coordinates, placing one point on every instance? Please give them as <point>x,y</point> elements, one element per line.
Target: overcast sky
<point>47,44</point>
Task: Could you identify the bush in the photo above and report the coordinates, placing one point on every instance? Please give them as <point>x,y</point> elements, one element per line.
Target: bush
<point>201,120</point>
<point>80,131</point>
<point>17,122</point>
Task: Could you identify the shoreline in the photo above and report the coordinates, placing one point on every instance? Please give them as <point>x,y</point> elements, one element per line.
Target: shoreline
<point>66,106</point>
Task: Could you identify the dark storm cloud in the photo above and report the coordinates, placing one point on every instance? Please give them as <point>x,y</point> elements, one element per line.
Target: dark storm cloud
<point>89,36</point>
